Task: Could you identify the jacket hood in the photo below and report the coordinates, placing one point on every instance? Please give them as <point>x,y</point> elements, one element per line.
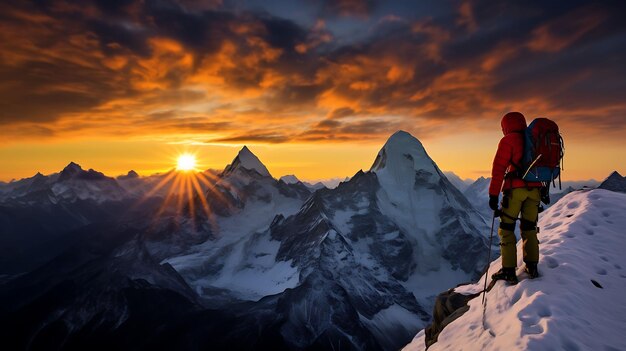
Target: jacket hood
<point>513,122</point>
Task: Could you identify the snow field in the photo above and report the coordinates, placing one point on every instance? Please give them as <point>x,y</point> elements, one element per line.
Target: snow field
<point>578,302</point>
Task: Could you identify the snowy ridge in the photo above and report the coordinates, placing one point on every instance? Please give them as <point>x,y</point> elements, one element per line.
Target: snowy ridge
<point>578,302</point>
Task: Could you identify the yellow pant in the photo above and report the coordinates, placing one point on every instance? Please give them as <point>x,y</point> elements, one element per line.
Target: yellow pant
<point>525,201</point>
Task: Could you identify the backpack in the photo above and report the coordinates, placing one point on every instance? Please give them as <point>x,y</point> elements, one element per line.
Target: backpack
<point>543,152</point>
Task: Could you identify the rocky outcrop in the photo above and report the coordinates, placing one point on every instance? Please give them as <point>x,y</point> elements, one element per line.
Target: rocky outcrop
<point>449,306</point>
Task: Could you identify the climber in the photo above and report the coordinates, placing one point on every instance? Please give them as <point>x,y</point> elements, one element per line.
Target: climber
<point>518,196</point>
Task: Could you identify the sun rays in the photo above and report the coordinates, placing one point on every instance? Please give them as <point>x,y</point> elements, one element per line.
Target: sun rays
<point>189,196</point>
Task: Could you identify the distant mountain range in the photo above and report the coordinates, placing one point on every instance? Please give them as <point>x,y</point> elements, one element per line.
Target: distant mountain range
<point>235,259</point>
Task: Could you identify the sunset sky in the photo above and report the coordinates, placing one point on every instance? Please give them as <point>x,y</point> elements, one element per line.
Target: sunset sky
<point>313,87</point>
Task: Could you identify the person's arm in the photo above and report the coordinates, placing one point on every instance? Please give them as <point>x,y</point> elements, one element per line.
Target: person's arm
<point>501,162</point>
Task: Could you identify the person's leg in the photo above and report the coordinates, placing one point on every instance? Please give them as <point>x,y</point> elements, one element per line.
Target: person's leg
<point>528,226</point>
<point>511,206</point>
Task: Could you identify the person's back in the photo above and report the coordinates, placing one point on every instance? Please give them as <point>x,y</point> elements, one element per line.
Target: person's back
<point>519,196</point>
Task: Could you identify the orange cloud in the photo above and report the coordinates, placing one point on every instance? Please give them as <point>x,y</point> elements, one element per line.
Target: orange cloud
<point>152,72</point>
<point>565,30</point>
<point>466,17</point>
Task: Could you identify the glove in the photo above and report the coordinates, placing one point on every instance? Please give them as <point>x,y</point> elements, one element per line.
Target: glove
<point>493,202</point>
<point>545,195</point>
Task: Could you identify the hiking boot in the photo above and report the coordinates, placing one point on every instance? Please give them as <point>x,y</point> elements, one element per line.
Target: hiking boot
<point>531,270</point>
<point>507,274</point>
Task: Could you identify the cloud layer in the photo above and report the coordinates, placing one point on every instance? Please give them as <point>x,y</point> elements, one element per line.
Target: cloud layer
<point>318,71</point>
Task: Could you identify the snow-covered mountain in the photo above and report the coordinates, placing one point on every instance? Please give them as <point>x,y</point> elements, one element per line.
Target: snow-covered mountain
<point>70,185</point>
<point>479,189</point>
<point>578,302</point>
<point>243,199</point>
<point>478,194</point>
<point>370,253</point>
<point>614,182</point>
<point>248,260</point>
<point>292,179</point>
<point>246,160</point>
<point>39,215</point>
<point>459,183</point>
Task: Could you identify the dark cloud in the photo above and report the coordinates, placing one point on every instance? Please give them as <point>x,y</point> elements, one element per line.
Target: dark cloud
<point>41,91</point>
<point>328,123</point>
<point>256,137</point>
<point>204,31</point>
<point>342,112</point>
<point>357,8</point>
<point>115,37</point>
<point>115,7</point>
<point>295,96</point>
<point>283,33</point>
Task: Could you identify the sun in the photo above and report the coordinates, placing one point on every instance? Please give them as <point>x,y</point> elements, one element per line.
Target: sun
<point>186,162</point>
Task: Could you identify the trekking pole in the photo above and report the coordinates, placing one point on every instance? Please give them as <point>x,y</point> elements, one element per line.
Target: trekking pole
<point>493,220</point>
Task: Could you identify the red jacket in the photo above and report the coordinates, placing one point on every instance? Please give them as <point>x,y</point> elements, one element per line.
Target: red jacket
<point>509,154</point>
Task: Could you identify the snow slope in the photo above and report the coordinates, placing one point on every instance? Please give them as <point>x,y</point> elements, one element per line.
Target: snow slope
<point>582,242</point>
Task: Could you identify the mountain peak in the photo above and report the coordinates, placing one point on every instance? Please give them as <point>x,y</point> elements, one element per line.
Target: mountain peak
<point>130,175</point>
<point>614,182</point>
<point>290,179</point>
<point>70,171</point>
<point>403,151</point>
<point>73,167</point>
<point>402,135</point>
<point>247,160</point>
